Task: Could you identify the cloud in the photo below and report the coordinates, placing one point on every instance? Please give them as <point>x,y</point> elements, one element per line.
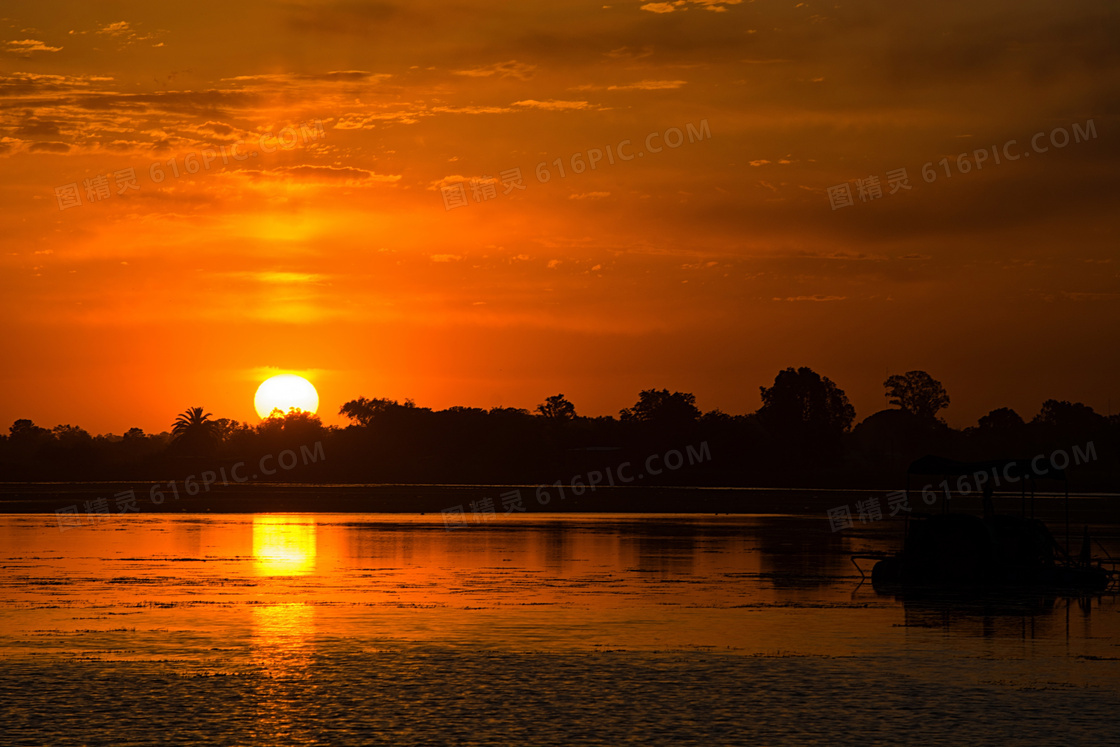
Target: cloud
<point>335,76</point>
<point>552,104</point>
<point>843,255</point>
<point>126,145</point>
<point>355,121</point>
<point>717,6</point>
<point>510,69</point>
<point>662,7</point>
<point>218,128</point>
<point>338,172</point>
<point>627,53</point>
<point>816,298</point>
<point>50,148</point>
<point>471,109</point>
<point>589,196</point>
<point>26,46</point>
<point>276,277</point>
<point>36,127</point>
<point>189,103</point>
<point>410,115</point>
<point>124,32</point>
<point>120,28</point>
<point>310,173</point>
<point>650,85</point>
<point>37,84</point>
<point>1084,296</point>
<point>447,181</point>
<point>445,257</point>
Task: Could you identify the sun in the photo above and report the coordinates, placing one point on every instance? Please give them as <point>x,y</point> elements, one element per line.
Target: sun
<point>286,391</point>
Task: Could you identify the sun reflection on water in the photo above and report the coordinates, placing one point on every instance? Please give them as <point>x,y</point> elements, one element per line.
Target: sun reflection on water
<point>284,545</point>
<point>280,635</point>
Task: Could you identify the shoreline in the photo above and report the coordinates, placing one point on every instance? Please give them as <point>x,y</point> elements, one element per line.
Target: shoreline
<point>49,498</point>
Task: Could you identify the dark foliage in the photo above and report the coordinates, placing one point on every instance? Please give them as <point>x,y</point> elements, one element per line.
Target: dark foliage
<point>802,435</point>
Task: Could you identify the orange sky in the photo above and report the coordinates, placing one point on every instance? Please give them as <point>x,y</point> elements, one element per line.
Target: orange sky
<point>706,267</point>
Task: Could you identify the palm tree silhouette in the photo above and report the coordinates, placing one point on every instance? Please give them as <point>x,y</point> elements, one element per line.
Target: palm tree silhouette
<point>194,426</point>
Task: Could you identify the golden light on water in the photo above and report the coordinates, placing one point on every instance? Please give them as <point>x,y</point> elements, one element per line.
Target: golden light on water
<point>281,633</point>
<point>284,545</point>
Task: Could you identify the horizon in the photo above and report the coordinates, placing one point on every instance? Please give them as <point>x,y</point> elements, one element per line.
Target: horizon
<point>334,417</point>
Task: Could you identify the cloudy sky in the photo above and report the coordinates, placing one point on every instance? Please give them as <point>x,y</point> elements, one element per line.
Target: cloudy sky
<point>394,199</point>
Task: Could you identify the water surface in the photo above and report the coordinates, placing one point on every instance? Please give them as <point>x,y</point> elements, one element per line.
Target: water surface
<point>544,629</point>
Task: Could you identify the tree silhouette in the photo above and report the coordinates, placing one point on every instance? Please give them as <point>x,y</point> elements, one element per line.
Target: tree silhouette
<point>70,435</point>
<point>918,393</point>
<point>1067,416</point>
<point>225,428</point>
<point>194,432</point>
<point>193,423</point>
<point>1001,418</point>
<point>27,439</point>
<point>659,407</point>
<point>362,411</point>
<point>806,407</point>
<point>802,435</point>
<point>25,429</point>
<point>287,429</point>
<point>557,409</point>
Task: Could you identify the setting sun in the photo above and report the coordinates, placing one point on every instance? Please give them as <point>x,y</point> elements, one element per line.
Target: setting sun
<point>285,392</point>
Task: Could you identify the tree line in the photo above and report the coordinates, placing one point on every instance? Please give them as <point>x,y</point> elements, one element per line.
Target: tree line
<point>804,434</point>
